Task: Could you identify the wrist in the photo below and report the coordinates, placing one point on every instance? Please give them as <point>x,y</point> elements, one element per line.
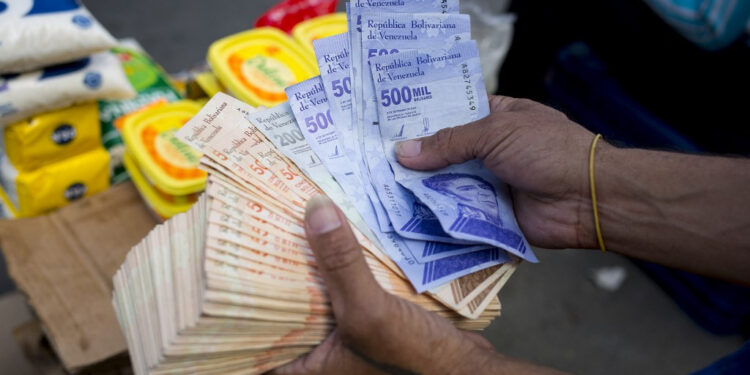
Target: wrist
<point>606,158</point>
<point>488,361</point>
<point>622,198</point>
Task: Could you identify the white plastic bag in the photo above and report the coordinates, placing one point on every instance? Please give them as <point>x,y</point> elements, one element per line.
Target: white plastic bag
<point>97,77</point>
<point>493,31</point>
<point>37,33</point>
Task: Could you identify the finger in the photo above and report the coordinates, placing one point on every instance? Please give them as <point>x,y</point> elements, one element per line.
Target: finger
<point>502,103</point>
<point>447,146</point>
<point>348,279</point>
<point>331,357</point>
<point>478,340</point>
<point>312,362</point>
<point>461,143</point>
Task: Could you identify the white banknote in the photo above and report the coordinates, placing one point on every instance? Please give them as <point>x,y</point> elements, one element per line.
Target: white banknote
<point>421,92</point>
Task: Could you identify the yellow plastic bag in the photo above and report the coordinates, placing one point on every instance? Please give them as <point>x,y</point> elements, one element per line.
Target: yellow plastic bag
<point>55,185</point>
<point>53,136</point>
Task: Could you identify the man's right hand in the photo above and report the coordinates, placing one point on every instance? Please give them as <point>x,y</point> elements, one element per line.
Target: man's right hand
<point>538,152</point>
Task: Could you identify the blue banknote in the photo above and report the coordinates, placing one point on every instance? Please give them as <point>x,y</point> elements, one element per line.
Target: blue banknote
<point>359,70</point>
<point>386,33</point>
<point>333,58</point>
<point>310,107</point>
<point>421,92</point>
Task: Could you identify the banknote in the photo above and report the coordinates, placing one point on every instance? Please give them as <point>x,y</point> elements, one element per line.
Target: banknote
<point>212,132</point>
<point>358,67</point>
<point>386,33</point>
<point>279,125</point>
<point>421,92</point>
<point>333,58</point>
<point>358,70</point>
<point>399,252</point>
<point>245,145</point>
<point>190,302</point>
<point>310,106</point>
<point>265,205</point>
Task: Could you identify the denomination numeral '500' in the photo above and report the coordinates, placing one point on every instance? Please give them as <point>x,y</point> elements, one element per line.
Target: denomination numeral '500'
<point>341,86</point>
<point>318,121</point>
<point>395,96</point>
<point>372,52</point>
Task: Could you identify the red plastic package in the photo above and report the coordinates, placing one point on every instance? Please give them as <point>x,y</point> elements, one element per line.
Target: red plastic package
<point>288,13</point>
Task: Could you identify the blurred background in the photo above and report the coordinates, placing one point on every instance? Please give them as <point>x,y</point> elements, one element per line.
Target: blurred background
<point>633,70</point>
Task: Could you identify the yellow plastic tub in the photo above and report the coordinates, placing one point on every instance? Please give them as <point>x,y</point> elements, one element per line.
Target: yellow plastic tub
<point>257,65</point>
<point>163,168</point>
<point>53,136</point>
<point>319,27</point>
<point>52,186</point>
<point>162,205</point>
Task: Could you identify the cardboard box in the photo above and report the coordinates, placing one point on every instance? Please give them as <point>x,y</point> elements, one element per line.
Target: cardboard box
<point>64,263</point>
<point>37,350</point>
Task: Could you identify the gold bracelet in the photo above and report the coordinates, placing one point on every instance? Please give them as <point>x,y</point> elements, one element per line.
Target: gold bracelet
<point>593,194</point>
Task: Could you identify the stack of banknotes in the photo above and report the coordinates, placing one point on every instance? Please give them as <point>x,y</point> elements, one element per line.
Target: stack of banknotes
<point>232,286</point>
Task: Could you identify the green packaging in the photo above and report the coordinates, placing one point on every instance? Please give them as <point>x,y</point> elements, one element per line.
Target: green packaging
<point>153,87</point>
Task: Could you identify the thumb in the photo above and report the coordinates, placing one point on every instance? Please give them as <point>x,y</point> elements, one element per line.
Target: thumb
<point>447,146</point>
<point>349,281</point>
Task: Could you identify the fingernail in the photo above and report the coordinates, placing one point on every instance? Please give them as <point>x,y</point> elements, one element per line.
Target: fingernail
<point>321,216</point>
<point>410,148</point>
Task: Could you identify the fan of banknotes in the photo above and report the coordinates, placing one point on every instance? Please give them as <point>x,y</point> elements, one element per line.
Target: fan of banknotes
<point>232,286</point>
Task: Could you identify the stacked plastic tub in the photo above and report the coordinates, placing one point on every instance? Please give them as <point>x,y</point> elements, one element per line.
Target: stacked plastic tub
<point>163,168</point>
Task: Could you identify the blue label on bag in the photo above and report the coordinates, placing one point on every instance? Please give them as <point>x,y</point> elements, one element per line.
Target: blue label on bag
<point>51,6</point>
<point>75,191</point>
<point>92,80</point>
<point>62,69</point>
<point>82,21</point>
<point>64,134</point>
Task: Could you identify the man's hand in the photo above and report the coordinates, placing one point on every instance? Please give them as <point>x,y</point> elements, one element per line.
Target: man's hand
<point>538,152</point>
<point>684,211</point>
<point>377,332</point>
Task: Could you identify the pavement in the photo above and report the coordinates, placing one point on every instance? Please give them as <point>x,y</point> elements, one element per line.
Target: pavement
<point>552,313</point>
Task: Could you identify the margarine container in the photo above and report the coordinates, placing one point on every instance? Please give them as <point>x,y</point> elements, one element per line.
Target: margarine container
<point>319,27</point>
<point>54,185</point>
<point>162,205</point>
<point>52,137</point>
<point>166,168</point>
<point>257,65</point>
